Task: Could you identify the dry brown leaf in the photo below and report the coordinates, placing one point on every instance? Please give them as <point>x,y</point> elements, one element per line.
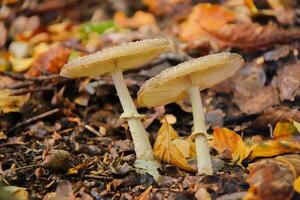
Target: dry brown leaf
<point>288,81</point>
<point>273,115</point>
<point>64,191</point>
<point>284,10</point>
<point>50,61</point>
<point>166,150</point>
<point>230,145</point>
<point>204,15</point>
<point>262,99</point>
<point>273,178</point>
<point>139,19</point>
<point>252,36</point>
<point>3,34</point>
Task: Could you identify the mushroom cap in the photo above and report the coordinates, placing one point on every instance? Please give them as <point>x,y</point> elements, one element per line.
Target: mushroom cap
<point>123,57</point>
<point>172,84</point>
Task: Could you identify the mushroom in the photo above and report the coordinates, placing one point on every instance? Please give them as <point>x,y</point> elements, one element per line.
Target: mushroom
<point>114,61</point>
<point>188,79</point>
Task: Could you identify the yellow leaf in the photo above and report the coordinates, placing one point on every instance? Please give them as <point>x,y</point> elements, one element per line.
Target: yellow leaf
<point>283,129</point>
<point>296,185</point>
<point>17,192</point>
<point>297,125</point>
<point>271,148</point>
<point>183,146</point>
<point>166,150</point>
<point>10,103</point>
<point>21,64</point>
<point>230,145</point>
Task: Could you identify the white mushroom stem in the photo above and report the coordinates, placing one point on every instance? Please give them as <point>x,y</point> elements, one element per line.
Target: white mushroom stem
<point>142,146</point>
<point>203,156</point>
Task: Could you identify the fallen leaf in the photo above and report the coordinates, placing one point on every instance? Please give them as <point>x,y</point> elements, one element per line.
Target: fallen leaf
<point>273,178</point>
<point>50,61</point>
<point>262,99</point>
<point>230,145</point>
<point>18,193</point>
<point>165,7</point>
<point>283,129</point>
<point>288,81</point>
<point>166,150</point>
<point>3,34</point>
<point>3,136</point>
<point>183,146</point>
<point>204,15</point>
<point>202,194</point>
<point>297,125</point>
<point>139,19</point>
<point>24,28</point>
<point>146,194</point>
<point>21,64</point>
<point>284,10</point>
<point>10,103</point>
<point>95,27</point>
<point>277,147</point>
<point>64,191</point>
<point>273,115</point>
<point>296,185</point>
<point>252,36</point>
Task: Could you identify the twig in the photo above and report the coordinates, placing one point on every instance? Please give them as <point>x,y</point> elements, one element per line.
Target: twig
<point>35,118</point>
<point>98,177</point>
<point>25,91</point>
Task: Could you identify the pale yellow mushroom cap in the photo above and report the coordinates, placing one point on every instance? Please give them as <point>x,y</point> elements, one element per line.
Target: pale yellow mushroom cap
<point>123,57</point>
<point>172,84</point>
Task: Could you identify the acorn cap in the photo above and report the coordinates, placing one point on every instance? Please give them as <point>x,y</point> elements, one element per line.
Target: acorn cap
<point>123,57</point>
<point>172,84</point>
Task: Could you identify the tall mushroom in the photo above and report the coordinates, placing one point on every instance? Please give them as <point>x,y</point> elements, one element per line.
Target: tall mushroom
<point>114,61</point>
<point>186,79</point>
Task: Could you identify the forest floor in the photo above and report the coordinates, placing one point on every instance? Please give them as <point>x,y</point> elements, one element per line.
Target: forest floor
<point>63,139</point>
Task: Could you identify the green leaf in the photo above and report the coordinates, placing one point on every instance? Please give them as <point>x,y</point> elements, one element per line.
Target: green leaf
<point>73,55</point>
<point>96,27</point>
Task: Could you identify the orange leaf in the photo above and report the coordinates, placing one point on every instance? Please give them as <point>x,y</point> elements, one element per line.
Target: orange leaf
<point>139,19</point>
<point>271,148</point>
<point>164,7</point>
<point>50,61</point>
<point>230,145</point>
<point>146,194</point>
<point>283,129</point>
<point>204,15</point>
<point>166,150</point>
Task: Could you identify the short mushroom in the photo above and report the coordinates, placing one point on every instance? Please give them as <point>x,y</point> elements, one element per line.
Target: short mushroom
<point>188,79</point>
<point>114,61</point>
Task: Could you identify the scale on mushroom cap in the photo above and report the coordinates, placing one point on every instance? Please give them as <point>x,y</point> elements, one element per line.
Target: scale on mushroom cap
<point>114,61</point>
<point>187,79</point>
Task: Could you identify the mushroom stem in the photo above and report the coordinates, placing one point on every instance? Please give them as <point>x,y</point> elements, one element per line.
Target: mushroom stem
<point>203,156</point>
<point>142,146</point>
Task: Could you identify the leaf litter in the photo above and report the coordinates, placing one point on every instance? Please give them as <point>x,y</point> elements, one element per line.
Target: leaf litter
<point>255,152</point>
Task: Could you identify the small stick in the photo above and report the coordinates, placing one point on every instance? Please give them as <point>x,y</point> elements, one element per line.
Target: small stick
<point>25,91</point>
<point>35,118</point>
<point>98,177</point>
